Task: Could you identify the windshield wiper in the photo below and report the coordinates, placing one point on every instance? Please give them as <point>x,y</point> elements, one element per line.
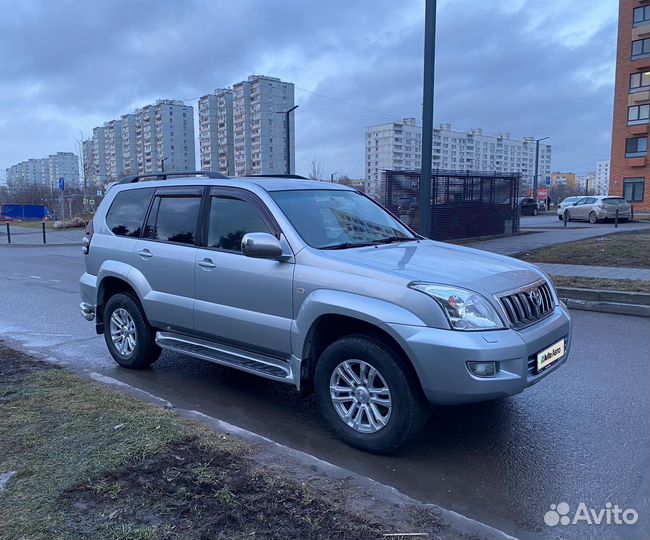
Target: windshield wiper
<point>345,245</point>
<point>390,239</point>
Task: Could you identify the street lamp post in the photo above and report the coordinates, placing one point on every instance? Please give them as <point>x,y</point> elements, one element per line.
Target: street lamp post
<point>288,144</point>
<point>332,176</point>
<point>427,116</point>
<point>537,141</point>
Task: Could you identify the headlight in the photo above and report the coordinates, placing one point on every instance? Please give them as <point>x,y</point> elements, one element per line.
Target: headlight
<point>466,310</point>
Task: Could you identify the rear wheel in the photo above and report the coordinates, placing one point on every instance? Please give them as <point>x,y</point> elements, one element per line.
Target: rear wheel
<point>130,339</point>
<point>367,396</point>
<point>593,218</point>
<point>535,211</point>
<point>560,218</point>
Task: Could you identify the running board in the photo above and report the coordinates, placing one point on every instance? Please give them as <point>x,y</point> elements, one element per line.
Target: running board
<point>257,364</point>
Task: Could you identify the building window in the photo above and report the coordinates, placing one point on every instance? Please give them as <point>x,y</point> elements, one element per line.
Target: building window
<point>640,48</point>
<point>641,15</point>
<point>633,189</point>
<point>636,147</point>
<point>637,114</point>
<point>639,82</point>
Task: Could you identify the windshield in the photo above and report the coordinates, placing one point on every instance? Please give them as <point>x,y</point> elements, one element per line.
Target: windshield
<point>329,219</point>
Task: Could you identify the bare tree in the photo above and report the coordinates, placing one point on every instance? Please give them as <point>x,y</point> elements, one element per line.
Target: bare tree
<point>316,169</point>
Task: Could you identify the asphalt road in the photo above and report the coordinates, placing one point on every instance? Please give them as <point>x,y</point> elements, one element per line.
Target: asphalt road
<point>580,435</point>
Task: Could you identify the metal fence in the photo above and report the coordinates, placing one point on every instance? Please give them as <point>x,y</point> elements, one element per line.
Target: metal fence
<point>464,204</point>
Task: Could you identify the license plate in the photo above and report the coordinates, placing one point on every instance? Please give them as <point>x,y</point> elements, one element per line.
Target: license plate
<point>551,355</point>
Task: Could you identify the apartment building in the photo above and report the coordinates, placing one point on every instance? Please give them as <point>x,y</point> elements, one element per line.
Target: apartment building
<point>45,171</point>
<point>568,180</point>
<point>243,130</point>
<point>629,157</point>
<point>398,146</point>
<point>216,135</point>
<point>156,137</point>
<point>601,181</point>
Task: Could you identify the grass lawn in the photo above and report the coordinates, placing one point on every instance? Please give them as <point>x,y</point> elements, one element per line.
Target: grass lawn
<point>630,249</point>
<point>79,460</point>
<point>624,285</point>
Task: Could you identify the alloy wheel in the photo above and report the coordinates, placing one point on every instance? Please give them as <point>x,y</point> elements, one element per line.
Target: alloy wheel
<point>360,396</point>
<point>123,333</point>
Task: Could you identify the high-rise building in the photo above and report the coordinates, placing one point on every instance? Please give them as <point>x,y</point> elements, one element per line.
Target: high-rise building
<point>629,157</point>
<point>601,182</point>
<point>243,131</point>
<point>216,136</point>
<point>45,171</point>
<point>398,146</point>
<point>157,137</point>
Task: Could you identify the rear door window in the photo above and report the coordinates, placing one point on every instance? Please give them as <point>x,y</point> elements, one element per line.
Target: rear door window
<point>126,215</point>
<point>174,219</point>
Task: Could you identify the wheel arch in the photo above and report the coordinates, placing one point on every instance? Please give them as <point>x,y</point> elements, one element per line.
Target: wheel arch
<point>114,278</point>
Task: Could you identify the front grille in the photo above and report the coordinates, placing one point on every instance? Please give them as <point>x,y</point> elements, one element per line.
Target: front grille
<point>528,305</point>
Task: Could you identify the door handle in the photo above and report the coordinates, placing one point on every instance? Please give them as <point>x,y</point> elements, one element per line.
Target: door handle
<point>145,254</point>
<point>207,264</point>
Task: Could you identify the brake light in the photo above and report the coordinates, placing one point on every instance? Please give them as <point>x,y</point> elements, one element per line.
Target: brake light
<point>88,236</point>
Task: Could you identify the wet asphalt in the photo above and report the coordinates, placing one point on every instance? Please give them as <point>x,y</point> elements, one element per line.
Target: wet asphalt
<point>580,435</point>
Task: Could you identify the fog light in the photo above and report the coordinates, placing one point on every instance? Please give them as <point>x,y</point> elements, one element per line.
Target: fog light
<point>482,369</point>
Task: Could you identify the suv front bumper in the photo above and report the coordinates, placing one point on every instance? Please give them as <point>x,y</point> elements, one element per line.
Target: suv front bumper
<point>440,358</point>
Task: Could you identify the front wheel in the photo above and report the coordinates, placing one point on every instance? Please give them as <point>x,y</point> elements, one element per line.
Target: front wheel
<point>567,216</point>
<point>371,401</point>
<point>560,218</point>
<point>593,218</point>
<point>535,211</point>
<point>130,339</point>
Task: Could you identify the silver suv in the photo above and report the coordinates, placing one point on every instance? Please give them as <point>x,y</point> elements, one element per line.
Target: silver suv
<point>315,285</point>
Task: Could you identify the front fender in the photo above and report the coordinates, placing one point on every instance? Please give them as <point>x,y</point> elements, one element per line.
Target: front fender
<point>327,302</point>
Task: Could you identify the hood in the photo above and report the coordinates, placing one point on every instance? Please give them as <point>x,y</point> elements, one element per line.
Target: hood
<point>437,262</point>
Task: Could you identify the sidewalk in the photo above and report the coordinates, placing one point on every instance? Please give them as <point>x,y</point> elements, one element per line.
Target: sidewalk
<point>602,272</point>
<point>513,245</point>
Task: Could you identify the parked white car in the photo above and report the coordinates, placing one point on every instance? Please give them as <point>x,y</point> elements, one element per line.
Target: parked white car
<point>593,209</point>
<point>563,205</point>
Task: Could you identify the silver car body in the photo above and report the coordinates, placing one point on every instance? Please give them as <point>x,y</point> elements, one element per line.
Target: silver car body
<point>602,206</point>
<point>267,310</point>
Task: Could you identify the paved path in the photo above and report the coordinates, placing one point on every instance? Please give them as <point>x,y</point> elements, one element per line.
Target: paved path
<point>552,236</point>
<point>605,272</point>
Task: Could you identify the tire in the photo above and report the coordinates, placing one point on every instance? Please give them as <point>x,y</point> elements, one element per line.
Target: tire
<point>408,409</point>
<point>623,220</point>
<point>123,312</point>
<point>535,211</point>
<point>593,218</point>
<point>567,216</point>
<point>560,218</point>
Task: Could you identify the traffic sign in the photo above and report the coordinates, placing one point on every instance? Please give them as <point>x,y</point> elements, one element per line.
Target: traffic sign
<point>61,184</point>
<point>548,180</point>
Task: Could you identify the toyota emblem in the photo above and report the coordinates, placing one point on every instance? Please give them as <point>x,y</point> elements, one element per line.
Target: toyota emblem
<point>535,297</point>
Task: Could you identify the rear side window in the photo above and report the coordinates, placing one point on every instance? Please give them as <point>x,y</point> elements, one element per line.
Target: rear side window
<point>126,215</point>
<point>173,219</point>
<point>230,220</point>
<point>614,201</point>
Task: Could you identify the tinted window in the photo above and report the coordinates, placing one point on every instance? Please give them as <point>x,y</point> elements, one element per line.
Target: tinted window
<point>126,214</point>
<point>173,219</point>
<point>230,220</point>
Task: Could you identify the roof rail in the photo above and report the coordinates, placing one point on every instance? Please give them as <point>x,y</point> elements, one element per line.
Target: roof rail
<point>164,174</point>
<point>295,176</point>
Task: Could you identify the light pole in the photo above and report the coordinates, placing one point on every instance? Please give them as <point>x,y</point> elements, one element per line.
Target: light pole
<point>537,141</point>
<point>288,145</point>
<point>427,116</point>
<point>332,176</point>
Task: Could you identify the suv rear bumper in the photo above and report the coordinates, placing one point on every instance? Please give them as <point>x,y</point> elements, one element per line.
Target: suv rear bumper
<point>440,358</point>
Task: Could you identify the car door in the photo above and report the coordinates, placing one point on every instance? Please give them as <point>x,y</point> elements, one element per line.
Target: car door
<point>579,210</point>
<point>165,257</point>
<point>240,300</point>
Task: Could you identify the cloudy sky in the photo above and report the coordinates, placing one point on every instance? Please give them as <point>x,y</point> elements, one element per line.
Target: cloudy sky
<point>522,66</point>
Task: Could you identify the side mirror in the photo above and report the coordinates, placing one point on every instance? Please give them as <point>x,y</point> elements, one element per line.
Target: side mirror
<point>573,204</point>
<point>261,245</point>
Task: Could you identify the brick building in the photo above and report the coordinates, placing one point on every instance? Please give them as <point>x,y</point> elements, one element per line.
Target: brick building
<point>629,159</point>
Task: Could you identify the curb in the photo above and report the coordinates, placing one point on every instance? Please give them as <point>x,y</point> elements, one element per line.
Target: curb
<point>638,310</point>
<point>599,295</point>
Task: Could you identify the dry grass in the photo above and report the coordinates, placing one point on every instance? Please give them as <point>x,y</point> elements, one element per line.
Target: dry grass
<point>629,249</point>
<point>623,285</point>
